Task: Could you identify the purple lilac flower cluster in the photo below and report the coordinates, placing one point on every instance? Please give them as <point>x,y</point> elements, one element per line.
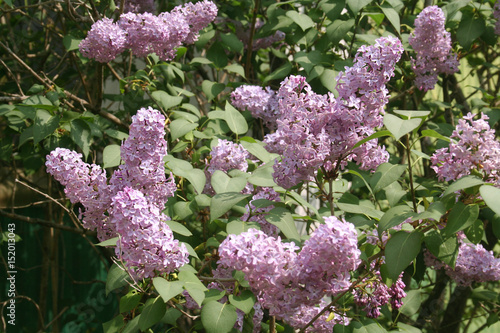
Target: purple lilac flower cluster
<point>496,15</point>
<point>261,102</point>
<point>473,264</point>
<point>146,33</point>
<point>432,43</point>
<point>290,284</point>
<point>474,148</point>
<point>259,214</point>
<point>130,205</point>
<point>375,294</point>
<point>226,156</point>
<point>316,131</point>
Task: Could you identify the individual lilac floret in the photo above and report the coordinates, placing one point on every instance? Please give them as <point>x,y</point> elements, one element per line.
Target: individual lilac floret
<point>104,41</point>
<point>146,244</point>
<point>142,153</point>
<point>259,214</point>
<point>84,183</point>
<point>432,43</point>
<point>262,103</point>
<point>474,149</point>
<point>321,130</point>
<point>473,264</point>
<point>139,6</point>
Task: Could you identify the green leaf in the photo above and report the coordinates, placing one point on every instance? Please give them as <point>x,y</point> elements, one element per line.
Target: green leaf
<point>401,249</point>
<point>231,42</point>
<point>178,228</point>
<point>45,124</point>
<point>469,29</point>
<point>460,217</point>
<point>130,301</point>
<point>237,227</point>
<point>399,127</point>
<point>359,209</point>
<point>475,232</point>
<point>117,278</point>
<point>491,196</point>
<point>409,114</point>
<point>385,175</point>
<point>213,295</point>
<point>434,134</point>
<point>236,68</point>
<point>235,120</point>
<point>200,60</point>
<point>217,317</point>
<point>111,156</point>
<point>463,183</point>
<point>393,217</point>
<point>394,193</point>
<point>165,100</point>
<point>244,301</point>
<point>402,327</point>
<point>280,72</point>
<point>217,54</point>
<point>445,249</point>
<point>222,183</point>
<point>114,325</point>
<point>193,285</point>
<point>167,289</point>
<point>80,134</point>
<point>212,89</point>
<point>132,325</point>
<point>283,219</point>
<point>223,202</point>
<point>375,135</point>
<point>180,127</point>
<point>152,313</point>
<point>391,15</point>
<point>328,80</point>
<point>337,30</point>
<point>367,326</point>
<point>256,148</point>
<point>71,43</point>
<point>357,5</point>
<point>197,178</point>
<point>302,20</point>
<point>171,316</point>
<point>263,176</point>
<point>411,303</point>
<point>115,134</point>
<point>109,242</point>
<point>435,211</point>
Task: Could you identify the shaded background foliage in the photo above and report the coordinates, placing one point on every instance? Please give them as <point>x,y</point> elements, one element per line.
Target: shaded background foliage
<point>53,97</point>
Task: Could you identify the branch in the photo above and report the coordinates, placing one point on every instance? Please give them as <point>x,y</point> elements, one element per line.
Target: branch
<point>46,223</point>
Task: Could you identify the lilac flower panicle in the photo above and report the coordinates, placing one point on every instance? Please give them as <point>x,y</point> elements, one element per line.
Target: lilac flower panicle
<point>147,245</point>
<point>474,148</point>
<point>104,41</point>
<point>473,264</point>
<point>316,131</point>
<point>143,32</point>
<point>84,183</point>
<point>139,6</point>
<point>262,103</point>
<point>432,43</point>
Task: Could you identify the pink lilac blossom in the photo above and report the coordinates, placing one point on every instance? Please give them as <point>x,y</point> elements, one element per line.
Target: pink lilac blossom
<point>374,294</point>
<point>496,15</point>
<point>261,102</point>
<point>316,131</point>
<point>473,264</point>
<point>130,205</point>
<point>432,43</point>
<point>283,280</point>
<point>84,183</point>
<point>104,41</point>
<point>143,153</point>
<point>473,148</point>
<point>146,244</point>
<point>145,33</point>
<point>259,214</point>
<point>226,156</point>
